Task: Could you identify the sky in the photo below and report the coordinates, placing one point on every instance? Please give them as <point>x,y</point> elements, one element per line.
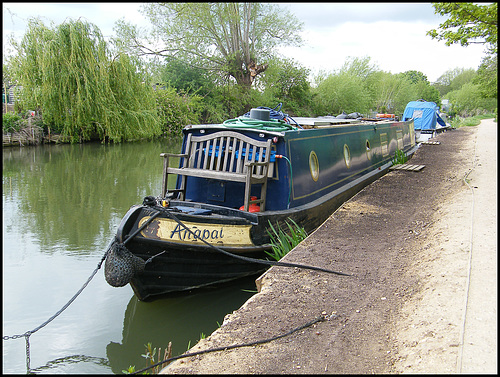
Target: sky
<point>392,35</point>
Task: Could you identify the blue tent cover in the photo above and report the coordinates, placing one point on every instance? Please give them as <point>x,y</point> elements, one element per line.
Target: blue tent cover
<point>424,114</point>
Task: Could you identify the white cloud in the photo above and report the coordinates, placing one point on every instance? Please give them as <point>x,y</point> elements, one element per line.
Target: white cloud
<point>393,35</point>
<point>393,45</point>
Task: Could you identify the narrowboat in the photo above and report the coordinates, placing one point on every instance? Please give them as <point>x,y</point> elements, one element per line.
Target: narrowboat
<point>232,180</point>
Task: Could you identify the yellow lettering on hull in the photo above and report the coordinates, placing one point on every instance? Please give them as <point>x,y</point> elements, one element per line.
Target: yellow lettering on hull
<point>215,234</point>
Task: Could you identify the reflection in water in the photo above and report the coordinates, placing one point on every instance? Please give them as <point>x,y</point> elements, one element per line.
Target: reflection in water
<point>61,207</point>
<point>180,320</point>
<point>61,365</point>
<point>70,193</point>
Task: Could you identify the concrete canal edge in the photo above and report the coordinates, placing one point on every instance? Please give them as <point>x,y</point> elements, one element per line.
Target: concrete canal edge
<point>422,298</point>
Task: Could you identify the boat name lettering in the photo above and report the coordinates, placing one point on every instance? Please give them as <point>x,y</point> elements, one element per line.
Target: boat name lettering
<point>203,234</point>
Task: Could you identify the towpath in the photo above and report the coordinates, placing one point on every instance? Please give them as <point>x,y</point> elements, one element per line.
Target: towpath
<point>422,298</point>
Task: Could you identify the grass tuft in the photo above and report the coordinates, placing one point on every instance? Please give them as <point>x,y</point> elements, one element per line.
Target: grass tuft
<point>282,242</point>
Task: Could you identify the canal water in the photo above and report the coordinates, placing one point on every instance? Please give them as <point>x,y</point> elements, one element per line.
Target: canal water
<point>61,207</point>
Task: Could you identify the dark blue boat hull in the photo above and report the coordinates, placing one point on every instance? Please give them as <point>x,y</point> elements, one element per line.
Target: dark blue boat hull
<point>323,168</point>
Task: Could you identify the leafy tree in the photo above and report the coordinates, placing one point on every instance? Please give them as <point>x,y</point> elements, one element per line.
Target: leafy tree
<point>415,77</point>
<point>427,92</point>
<point>82,91</point>
<point>231,39</point>
<point>341,92</point>
<point>453,79</point>
<point>391,93</point>
<point>421,87</point>
<point>467,101</point>
<point>176,111</point>
<point>287,82</point>
<point>467,23</point>
<point>487,77</point>
<point>465,76</point>
<point>186,79</point>
<point>359,67</point>
<point>443,83</point>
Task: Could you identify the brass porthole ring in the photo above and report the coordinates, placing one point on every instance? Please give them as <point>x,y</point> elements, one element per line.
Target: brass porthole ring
<point>314,166</point>
<point>347,156</point>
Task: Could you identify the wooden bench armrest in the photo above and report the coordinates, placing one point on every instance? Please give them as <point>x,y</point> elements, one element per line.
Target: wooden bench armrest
<point>173,155</point>
<point>213,174</point>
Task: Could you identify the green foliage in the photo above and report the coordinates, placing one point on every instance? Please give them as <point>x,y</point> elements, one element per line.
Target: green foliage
<point>487,77</point>
<point>467,23</point>
<point>389,93</point>
<point>341,92</point>
<point>150,356</point>
<point>467,101</point>
<point>360,87</point>
<point>176,111</point>
<point>427,92</point>
<point>67,72</point>
<point>130,370</point>
<point>458,122</point>
<point>287,82</point>
<point>11,122</point>
<point>282,242</point>
<point>227,102</point>
<point>186,78</point>
<point>359,67</point>
<point>231,39</point>
<point>453,79</point>
<point>399,157</point>
<point>415,77</point>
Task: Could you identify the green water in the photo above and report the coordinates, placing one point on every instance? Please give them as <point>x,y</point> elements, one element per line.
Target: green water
<point>61,207</point>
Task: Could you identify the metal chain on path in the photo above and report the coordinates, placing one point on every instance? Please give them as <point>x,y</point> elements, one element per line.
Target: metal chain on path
<point>27,334</point>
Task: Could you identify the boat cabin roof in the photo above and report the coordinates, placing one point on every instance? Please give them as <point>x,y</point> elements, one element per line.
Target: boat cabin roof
<point>305,123</point>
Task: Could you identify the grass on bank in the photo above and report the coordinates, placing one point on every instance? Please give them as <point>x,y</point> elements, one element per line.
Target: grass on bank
<point>458,122</point>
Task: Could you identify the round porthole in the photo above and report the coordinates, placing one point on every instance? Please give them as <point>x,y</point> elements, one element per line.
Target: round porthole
<point>314,166</point>
<point>347,156</point>
<point>368,150</point>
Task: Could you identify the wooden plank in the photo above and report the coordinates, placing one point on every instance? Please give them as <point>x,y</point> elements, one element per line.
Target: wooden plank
<point>214,174</point>
<point>407,167</point>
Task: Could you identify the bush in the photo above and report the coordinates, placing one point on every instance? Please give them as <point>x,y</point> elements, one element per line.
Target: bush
<point>176,111</point>
<point>11,122</point>
<point>458,122</point>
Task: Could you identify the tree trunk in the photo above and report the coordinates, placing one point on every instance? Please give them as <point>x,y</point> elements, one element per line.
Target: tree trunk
<point>245,72</point>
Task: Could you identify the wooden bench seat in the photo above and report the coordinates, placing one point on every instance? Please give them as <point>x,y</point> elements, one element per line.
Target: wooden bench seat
<point>225,156</point>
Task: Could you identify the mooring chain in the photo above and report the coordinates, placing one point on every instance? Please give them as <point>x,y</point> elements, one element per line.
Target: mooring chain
<point>28,357</point>
<point>27,334</point>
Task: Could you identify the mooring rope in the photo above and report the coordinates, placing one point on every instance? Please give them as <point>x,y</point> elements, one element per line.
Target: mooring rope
<point>253,260</point>
<point>224,348</point>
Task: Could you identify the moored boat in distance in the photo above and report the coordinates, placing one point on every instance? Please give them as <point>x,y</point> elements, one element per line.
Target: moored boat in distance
<point>235,179</point>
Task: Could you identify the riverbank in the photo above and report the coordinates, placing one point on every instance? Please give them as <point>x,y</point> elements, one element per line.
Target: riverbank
<point>421,249</point>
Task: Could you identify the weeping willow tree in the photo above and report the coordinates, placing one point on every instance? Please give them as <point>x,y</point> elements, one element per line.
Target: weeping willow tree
<point>68,72</point>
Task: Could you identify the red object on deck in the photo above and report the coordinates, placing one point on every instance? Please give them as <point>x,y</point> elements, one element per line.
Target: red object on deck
<point>386,116</point>
<point>252,207</point>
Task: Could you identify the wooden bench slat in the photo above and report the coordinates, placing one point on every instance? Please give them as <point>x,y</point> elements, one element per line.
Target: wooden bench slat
<point>224,155</point>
